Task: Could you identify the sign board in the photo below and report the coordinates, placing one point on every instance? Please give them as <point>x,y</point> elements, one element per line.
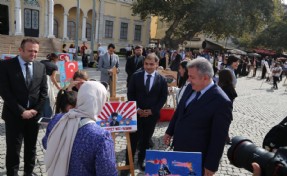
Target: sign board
<point>171,77</point>
<point>119,116</point>
<point>7,56</point>
<point>72,50</point>
<point>173,163</point>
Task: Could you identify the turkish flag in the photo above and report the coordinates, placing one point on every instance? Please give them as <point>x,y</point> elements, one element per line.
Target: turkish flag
<point>70,69</point>
<point>64,57</point>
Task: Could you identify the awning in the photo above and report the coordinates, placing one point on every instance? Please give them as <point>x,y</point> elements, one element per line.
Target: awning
<point>265,52</point>
<point>211,45</point>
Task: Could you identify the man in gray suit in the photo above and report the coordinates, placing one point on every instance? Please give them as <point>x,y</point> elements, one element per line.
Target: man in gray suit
<point>107,62</point>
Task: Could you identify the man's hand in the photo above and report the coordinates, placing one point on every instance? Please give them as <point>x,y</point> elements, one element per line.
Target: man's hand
<point>140,112</point>
<point>256,169</point>
<point>148,112</point>
<point>34,112</point>
<point>27,114</point>
<point>208,172</point>
<point>166,139</point>
<point>73,84</point>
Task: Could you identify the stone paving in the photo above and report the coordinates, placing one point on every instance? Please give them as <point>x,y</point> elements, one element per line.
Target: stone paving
<point>256,110</point>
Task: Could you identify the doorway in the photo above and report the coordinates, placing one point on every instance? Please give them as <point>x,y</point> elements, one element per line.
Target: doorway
<point>4,19</point>
<point>31,22</point>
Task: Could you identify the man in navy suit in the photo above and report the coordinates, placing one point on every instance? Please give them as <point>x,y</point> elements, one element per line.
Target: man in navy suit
<point>24,90</point>
<point>149,90</point>
<point>202,119</point>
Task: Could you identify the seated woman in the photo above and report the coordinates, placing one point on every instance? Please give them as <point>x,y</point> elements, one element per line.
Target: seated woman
<point>76,145</point>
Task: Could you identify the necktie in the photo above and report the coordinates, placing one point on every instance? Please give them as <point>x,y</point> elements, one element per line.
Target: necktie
<point>136,60</point>
<point>110,60</point>
<point>28,74</point>
<point>147,83</point>
<point>193,100</point>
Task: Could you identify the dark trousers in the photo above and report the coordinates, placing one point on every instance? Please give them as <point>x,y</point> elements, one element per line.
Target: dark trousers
<point>275,80</point>
<point>16,131</point>
<point>263,72</point>
<point>146,126</point>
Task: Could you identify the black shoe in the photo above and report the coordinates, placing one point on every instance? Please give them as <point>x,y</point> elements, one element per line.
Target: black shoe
<point>125,173</point>
<point>141,165</point>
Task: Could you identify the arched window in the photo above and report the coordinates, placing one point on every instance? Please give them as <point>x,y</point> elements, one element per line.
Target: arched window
<point>88,31</point>
<point>56,27</point>
<point>71,30</point>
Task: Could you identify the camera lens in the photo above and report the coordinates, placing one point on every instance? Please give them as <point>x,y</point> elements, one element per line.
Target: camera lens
<point>243,153</point>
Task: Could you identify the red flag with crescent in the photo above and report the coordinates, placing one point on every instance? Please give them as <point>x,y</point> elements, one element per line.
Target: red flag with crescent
<point>70,69</point>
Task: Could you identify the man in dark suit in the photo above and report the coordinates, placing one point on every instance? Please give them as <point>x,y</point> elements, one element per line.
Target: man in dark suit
<point>202,118</point>
<point>149,90</point>
<point>24,90</point>
<point>134,62</point>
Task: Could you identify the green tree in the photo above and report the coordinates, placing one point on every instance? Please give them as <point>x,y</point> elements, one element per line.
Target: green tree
<point>217,18</point>
<point>273,37</point>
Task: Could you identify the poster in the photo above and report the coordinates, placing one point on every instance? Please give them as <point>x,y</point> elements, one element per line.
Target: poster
<point>160,163</point>
<point>67,70</point>
<point>171,77</point>
<point>7,56</point>
<point>119,116</point>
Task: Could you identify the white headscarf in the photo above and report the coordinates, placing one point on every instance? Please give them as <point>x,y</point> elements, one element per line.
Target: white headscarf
<point>90,101</point>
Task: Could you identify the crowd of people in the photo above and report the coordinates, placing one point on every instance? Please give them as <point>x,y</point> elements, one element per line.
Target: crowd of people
<point>76,145</point>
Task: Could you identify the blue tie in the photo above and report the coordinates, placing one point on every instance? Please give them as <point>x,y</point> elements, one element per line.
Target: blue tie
<point>193,100</point>
<point>147,83</point>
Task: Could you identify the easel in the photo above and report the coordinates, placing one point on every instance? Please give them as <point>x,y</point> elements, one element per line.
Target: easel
<point>113,97</point>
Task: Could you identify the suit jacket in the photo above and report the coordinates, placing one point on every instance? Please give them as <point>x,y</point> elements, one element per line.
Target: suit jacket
<point>202,127</point>
<point>104,65</point>
<point>154,99</point>
<point>16,94</point>
<point>132,66</point>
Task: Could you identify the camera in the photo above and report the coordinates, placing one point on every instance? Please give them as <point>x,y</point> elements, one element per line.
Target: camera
<point>243,152</point>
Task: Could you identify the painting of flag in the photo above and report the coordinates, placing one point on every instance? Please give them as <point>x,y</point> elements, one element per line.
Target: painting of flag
<point>170,163</point>
<point>119,116</point>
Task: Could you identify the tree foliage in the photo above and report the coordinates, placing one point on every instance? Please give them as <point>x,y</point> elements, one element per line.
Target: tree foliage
<point>273,37</point>
<point>218,18</point>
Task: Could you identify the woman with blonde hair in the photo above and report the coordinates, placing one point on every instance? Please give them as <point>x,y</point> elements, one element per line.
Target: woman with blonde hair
<point>76,145</point>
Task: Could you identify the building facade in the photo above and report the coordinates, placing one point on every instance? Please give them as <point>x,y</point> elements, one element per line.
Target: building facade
<point>114,22</point>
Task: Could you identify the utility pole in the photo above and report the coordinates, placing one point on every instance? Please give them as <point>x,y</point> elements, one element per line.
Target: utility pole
<point>77,28</point>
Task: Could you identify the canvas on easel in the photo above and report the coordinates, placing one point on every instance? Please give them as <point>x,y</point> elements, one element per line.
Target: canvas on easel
<point>119,116</point>
<point>161,163</point>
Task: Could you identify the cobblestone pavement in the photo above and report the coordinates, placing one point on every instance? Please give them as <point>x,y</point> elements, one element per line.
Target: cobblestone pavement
<point>256,110</point>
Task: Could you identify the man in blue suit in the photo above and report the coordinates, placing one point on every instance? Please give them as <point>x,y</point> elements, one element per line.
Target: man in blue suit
<point>149,90</point>
<point>202,119</point>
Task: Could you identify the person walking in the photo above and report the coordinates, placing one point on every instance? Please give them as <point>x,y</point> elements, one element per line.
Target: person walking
<point>24,91</point>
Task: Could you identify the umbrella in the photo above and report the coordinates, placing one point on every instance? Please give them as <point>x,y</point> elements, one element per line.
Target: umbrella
<point>254,55</point>
<point>236,51</point>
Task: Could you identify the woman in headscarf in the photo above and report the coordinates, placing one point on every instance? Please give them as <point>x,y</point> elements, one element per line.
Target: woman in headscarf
<point>76,145</point>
